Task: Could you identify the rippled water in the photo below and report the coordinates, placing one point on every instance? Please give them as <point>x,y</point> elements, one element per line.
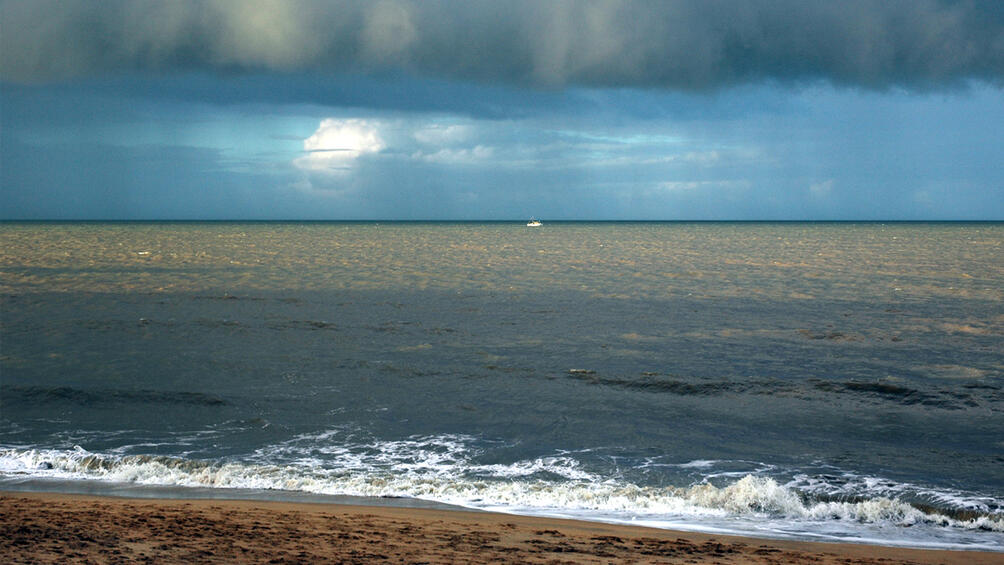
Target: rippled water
<point>805,380</point>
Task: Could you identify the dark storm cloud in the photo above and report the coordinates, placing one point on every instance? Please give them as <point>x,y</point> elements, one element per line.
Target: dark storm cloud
<point>917,44</point>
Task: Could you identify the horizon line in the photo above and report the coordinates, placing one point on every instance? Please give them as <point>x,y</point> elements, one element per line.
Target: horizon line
<point>475,221</point>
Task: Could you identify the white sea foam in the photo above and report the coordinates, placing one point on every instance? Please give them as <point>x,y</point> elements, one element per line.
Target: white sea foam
<point>441,474</point>
<point>439,469</point>
<point>697,464</point>
<point>850,485</point>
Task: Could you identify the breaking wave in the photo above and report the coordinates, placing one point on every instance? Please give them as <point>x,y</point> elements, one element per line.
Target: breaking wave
<point>440,469</point>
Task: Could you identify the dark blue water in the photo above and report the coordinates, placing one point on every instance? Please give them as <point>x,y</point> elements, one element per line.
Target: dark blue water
<point>842,381</point>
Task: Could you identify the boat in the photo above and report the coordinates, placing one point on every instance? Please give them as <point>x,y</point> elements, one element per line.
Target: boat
<point>534,223</point>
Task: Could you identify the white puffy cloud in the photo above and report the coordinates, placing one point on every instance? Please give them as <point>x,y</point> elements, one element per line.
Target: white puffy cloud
<point>338,144</point>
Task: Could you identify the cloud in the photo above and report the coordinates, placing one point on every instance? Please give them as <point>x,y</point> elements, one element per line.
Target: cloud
<point>675,186</point>
<point>878,44</point>
<point>923,197</point>
<point>478,153</point>
<point>694,158</point>
<point>821,189</point>
<point>337,144</point>
<point>437,134</point>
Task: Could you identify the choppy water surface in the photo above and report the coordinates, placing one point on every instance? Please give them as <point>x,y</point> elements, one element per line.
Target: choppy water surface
<point>819,381</point>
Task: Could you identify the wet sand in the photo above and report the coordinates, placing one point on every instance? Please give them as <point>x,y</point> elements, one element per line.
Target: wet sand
<point>61,528</point>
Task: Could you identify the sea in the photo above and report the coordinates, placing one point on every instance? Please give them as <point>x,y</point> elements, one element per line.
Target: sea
<point>811,381</point>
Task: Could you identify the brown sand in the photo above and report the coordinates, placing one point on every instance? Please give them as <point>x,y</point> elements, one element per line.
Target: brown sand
<point>59,528</point>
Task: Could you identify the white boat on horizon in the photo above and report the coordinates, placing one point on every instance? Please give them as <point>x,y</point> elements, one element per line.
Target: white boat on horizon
<point>534,223</point>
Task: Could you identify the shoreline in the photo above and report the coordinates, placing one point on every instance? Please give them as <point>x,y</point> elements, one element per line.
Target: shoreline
<point>48,527</point>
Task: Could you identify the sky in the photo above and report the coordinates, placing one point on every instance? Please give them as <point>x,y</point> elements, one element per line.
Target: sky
<point>501,110</point>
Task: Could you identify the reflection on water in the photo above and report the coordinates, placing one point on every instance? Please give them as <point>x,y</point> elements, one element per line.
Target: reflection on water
<point>795,261</point>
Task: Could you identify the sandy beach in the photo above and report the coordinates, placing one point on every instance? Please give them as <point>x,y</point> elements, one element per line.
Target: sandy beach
<point>61,528</point>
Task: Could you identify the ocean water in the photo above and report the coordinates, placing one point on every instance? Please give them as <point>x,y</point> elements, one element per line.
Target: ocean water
<point>828,381</point>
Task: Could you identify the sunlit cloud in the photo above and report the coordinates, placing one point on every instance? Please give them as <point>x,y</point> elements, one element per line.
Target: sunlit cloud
<point>338,144</point>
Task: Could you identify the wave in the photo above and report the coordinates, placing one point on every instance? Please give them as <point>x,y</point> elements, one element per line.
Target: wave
<point>970,395</point>
<point>438,470</point>
<point>35,395</point>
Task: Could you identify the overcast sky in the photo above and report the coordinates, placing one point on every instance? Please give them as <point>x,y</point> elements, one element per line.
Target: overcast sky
<point>651,110</point>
